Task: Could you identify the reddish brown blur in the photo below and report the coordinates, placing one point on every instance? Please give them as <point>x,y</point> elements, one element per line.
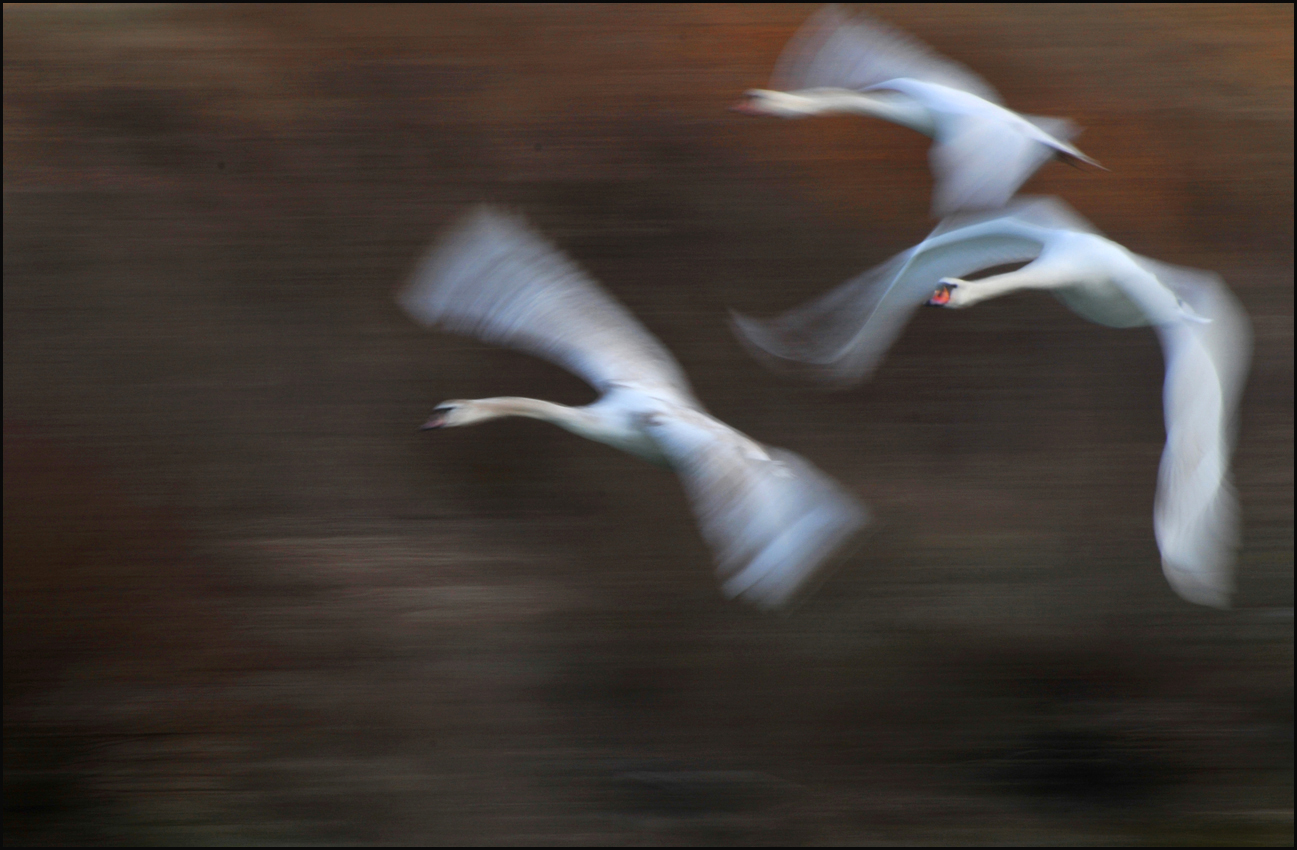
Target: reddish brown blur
<point>246,600</point>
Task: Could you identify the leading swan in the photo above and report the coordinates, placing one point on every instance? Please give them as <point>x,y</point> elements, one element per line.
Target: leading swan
<point>981,152</point>
<point>771,518</point>
<point>840,338</point>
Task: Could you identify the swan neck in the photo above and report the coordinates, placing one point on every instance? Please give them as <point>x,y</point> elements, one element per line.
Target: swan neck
<point>531,408</point>
<point>596,422</point>
<point>888,105</point>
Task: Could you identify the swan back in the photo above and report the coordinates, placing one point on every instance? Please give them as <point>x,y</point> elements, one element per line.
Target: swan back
<point>492,277</point>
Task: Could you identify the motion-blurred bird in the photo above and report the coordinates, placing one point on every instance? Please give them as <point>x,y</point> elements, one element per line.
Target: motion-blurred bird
<point>771,518</point>
<point>1205,334</point>
<point>981,152</point>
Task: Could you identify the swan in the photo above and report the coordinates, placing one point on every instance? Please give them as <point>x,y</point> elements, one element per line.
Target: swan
<point>981,151</point>
<point>771,518</point>
<point>1205,335</point>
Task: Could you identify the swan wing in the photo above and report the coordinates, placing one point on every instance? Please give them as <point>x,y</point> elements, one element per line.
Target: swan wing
<point>772,519</point>
<point>1196,513</point>
<point>978,162</point>
<point>1046,212</point>
<point>842,336</point>
<point>833,50</point>
<point>494,278</point>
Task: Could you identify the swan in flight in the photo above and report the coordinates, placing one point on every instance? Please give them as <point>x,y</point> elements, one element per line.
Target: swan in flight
<point>981,152</point>
<point>1205,334</point>
<point>770,517</point>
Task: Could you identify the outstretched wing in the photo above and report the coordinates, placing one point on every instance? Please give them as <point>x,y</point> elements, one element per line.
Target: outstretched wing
<point>772,519</point>
<point>842,336</point>
<point>1042,211</point>
<point>832,50</point>
<point>494,278</point>
<point>1195,516</point>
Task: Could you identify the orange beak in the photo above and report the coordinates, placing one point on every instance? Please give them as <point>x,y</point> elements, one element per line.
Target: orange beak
<point>745,106</point>
<point>941,297</point>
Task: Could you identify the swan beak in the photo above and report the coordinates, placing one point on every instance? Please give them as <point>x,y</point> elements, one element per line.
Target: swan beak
<point>437,420</point>
<point>746,107</point>
<point>941,297</point>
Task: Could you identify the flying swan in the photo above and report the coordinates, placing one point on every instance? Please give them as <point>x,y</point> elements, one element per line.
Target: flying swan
<point>770,517</point>
<point>981,152</point>
<point>841,337</point>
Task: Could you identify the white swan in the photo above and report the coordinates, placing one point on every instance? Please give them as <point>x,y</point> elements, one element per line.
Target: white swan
<point>1205,335</point>
<point>981,152</point>
<point>771,518</point>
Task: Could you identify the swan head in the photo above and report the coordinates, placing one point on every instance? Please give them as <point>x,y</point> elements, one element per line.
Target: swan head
<point>454,413</point>
<point>949,294</point>
<point>780,104</point>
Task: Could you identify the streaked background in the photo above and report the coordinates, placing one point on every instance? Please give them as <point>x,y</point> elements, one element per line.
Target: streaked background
<point>245,601</point>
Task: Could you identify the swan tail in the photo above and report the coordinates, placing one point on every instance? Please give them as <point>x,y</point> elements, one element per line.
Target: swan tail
<point>1060,132</point>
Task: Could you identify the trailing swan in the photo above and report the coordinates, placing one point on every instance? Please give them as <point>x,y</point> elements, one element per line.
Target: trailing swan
<point>1205,334</point>
<point>981,152</point>
<point>771,518</point>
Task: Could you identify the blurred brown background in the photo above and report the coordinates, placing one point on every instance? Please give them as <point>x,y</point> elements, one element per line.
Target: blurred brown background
<point>245,601</point>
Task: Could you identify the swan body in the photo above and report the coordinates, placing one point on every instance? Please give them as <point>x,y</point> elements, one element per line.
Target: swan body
<point>1205,335</point>
<point>771,518</point>
<point>981,151</point>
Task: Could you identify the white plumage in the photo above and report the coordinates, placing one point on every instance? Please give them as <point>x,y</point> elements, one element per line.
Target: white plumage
<point>841,337</point>
<point>981,151</point>
<point>771,518</point>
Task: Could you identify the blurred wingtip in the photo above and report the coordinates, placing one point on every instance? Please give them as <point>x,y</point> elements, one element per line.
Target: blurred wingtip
<point>760,340</point>
<point>748,329</point>
<point>775,350</point>
<point>1212,591</point>
<point>855,531</point>
<point>460,244</point>
<point>842,529</point>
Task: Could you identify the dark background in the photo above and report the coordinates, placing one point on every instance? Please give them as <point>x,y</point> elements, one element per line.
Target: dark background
<point>245,601</point>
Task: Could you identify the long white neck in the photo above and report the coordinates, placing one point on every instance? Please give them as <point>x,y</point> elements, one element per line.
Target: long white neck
<point>597,422</point>
<point>890,106</point>
<point>573,419</point>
